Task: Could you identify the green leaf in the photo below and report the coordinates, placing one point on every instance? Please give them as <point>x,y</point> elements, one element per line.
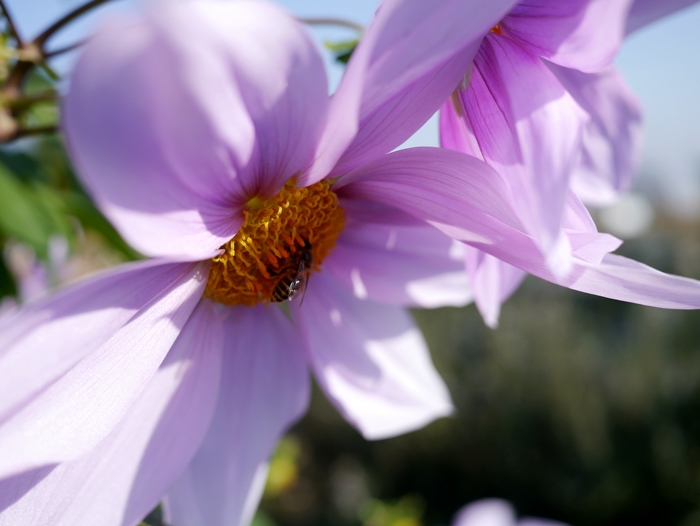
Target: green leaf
<point>23,213</point>
<point>21,164</point>
<point>55,166</point>
<point>261,519</point>
<point>342,50</point>
<point>41,114</point>
<point>51,201</point>
<point>58,194</point>
<point>37,81</point>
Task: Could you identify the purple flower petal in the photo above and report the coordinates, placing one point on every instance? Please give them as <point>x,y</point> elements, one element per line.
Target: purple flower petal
<point>529,129</point>
<point>74,363</point>
<point>581,34</point>
<point>495,512</point>
<point>624,279</point>
<point>264,389</point>
<point>126,475</point>
<point>408,62</point>
<point>199,106</point>
<point>645,12</point>
<point>399,263</point>
<point>460,196</point>
<point>612,141</point>
<point>493,281</point>
<point>487,512</point>
<point>370,360</point>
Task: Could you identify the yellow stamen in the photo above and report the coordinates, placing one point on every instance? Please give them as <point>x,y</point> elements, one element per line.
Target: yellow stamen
<point>268,247</point>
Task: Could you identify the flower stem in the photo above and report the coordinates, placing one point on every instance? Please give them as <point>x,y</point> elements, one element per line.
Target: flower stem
<point>333,22</point>
<point>27,100</point>
<point>10,23</point>
<point>36,130</point>
<point>62,50</point>
<point>47,33</point>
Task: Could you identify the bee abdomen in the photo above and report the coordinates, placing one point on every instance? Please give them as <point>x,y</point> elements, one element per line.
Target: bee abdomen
<point>283,289</point>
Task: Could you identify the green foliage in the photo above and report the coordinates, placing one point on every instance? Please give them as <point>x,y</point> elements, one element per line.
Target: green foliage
<point>261,519</point>
<point>407,511</point>
<point>7,285</point>
<point>284,467</point>
<point>40,198</point>
<point>42,107</point>
<point>29,213</point>
<point>342,50</point>
<point>22,165</point>
<point>155,518</point>
<point>7,53</point>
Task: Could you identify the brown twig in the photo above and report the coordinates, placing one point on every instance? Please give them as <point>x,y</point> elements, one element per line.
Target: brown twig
<point>32,54</point>
<point>10,23</point>
<point>27,100</point>
<point>47,33</point>
<point>36,130</point>
<point>62,50</point>
<point>13,84</point>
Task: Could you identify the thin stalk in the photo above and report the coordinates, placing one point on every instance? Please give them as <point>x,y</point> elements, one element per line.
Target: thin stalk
<point>49,70</point>
<point>13,84</point>
<point>62,50</point>
<point>47,33</point>
<point>333,22</point>
<point>11,23</point>
<point>36,130</point>
<point>28,100</point>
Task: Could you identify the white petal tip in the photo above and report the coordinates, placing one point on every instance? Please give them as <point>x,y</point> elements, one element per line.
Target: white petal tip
<point>377,432</point>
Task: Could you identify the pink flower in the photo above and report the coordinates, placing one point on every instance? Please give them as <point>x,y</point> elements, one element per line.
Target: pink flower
<point>514,112</point>
<point>544,107</point>
<point>495,512</point>
<point>205,133</point>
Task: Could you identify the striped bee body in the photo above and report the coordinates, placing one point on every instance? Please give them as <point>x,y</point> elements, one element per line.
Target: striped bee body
<point>293,284</point>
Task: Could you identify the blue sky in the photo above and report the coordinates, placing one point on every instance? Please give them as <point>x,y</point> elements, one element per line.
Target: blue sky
<point>661,63</point>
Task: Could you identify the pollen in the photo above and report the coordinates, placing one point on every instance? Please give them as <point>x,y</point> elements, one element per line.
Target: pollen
<point>497,29</point>
<point>298,224</point>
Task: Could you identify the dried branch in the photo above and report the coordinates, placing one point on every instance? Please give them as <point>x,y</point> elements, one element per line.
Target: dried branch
<point>62,50</point>
<point>47,33</point>
<point>11,23</point>
<point>36,130</point>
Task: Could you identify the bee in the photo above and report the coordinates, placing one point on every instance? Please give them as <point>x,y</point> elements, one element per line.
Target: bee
<point>293,284</point>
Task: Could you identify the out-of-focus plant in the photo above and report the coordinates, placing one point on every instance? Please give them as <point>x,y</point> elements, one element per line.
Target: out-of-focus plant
<point>284,467</point>
<point>342,50</point>
<point>28,94</point>
<point>285,478</point>
<point>407,511</point>
<point>40,198</point>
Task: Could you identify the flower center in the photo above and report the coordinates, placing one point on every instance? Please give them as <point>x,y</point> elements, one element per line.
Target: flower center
<point>282,241</point>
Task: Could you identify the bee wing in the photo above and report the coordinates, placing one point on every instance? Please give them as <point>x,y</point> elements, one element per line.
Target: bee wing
<point>304,275</point>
